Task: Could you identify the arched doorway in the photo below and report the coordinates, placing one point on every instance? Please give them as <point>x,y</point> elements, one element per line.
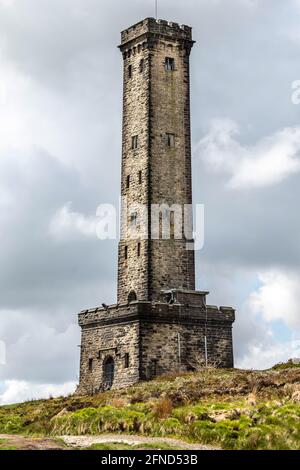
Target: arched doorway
<point>132,297</point>
<point>108,372</point>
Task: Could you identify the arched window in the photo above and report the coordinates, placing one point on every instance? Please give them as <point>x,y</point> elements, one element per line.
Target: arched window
<point>108,372</point>
<point>132,297</point>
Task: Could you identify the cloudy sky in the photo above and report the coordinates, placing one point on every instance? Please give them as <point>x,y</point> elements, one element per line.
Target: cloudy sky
<point>60,148</point>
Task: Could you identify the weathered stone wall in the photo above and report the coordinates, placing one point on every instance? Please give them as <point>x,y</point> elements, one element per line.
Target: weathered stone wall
<point>173,339</point>
<point>172,265</point>
<point>99,342</point>
<point>133,272</point>
<point>156,102</point>
<point>160,338</point>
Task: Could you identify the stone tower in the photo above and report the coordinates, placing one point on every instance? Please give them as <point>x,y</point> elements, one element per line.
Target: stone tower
<point>156,155</point>
<point>160,324</point>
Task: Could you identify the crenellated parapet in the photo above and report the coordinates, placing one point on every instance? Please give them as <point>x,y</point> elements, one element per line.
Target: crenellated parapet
<point>142,34</point>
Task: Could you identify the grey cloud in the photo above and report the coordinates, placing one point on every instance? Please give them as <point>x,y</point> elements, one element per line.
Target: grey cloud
<point>58,352</point>
<point>28,249</point>
<point>252,228</point>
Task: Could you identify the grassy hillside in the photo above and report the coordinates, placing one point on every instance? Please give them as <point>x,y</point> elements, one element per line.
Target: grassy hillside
<point>233,409</point>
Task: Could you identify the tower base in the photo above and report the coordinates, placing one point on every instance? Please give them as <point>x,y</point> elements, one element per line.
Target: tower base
<point>124,344</point>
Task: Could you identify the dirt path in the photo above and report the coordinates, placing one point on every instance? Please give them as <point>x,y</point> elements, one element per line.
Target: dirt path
<point>16,442</point>
<point>87,441</point>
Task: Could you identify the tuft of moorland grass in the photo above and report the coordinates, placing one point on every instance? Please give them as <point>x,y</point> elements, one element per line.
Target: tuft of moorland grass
<point>286,365</point>
<point>230,426</point>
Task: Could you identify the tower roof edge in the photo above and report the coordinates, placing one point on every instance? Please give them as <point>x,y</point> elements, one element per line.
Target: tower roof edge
<point>158,27</point>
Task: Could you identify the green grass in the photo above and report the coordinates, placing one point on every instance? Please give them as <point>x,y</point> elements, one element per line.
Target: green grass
<point>4,446</point>
<point>231,409</point>
<point>8,448</point>
<point>284,366</point>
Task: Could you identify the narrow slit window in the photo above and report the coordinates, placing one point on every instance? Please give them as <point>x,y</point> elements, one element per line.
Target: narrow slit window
<point>90,364</point>
<point>170,64</point>
<point>128,181</point>
<point>170,139</point>
<point>133,218</point>
<point>126,252</point>
<point>154,367</point>
<point>140,177</point>
<point>134,142</point>
<point>172,225</point>
<point>129,71</point>
<point>139,249</point>
<point>142,65</point>
<point>160,226</point>
<point>126,361</point>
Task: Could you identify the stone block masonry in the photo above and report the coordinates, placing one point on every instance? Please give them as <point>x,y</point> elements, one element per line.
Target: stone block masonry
<point>147,339</point>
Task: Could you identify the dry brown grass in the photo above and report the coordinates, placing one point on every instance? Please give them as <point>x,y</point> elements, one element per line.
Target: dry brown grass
<point>162,408</point>
<point>119,402</point>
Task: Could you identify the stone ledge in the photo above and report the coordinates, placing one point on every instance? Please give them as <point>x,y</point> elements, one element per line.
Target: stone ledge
<point>157,313</point>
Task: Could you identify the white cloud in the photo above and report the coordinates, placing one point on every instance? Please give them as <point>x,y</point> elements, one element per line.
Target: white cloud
<point>40,347</point>
<point>35,116</point>
<point>2,353</point>
<point>277,298</point>
<point>267,162</point>
<point>264,356</point>
<point>7,3</point>
<point>26,112</point>
<point>268,322</point>
<point>67,224</point>
<point>16,391</point>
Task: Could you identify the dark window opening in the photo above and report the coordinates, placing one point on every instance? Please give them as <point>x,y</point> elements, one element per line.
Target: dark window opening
<point>154,367</point>
<point>142,65</point>
<point>128,182</point>
<point>90,365</point>
<point>133,218</point>
<point>126,365</point>
<point>108,372</point>
<point>139,249</point>
<point>132,297</point>
<point>160,227</point>
<point>134,142</point>
<point>140,177</point>
<point>170,64</point>
<point>129,71</point>
<point>126,252</point>
<point>172,225</point>
<point>170,138</point>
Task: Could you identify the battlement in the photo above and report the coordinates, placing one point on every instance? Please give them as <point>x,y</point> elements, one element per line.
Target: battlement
<point>157,27</point>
